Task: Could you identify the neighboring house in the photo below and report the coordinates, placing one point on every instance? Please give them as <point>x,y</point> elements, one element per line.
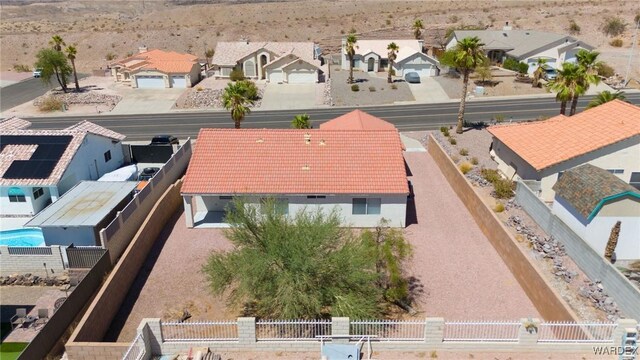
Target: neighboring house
<point>359,173</point>
<point>40,165</point>
<point>275,62</point>
<point>524,45</point>
<point>357,120</point>
<point>79,215</point>
<point>591,200</point>
<point>373,56</point>
<point>607,136</point>
<point>157,69</point>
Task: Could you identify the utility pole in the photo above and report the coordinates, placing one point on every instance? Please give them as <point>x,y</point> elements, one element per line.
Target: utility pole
<point>634,42</point>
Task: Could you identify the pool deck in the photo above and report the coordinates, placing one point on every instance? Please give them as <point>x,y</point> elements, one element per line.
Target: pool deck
<point>12,223</point>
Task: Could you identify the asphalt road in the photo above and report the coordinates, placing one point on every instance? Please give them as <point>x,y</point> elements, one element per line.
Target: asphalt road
<point>405,117</point>
<point>27,90</point>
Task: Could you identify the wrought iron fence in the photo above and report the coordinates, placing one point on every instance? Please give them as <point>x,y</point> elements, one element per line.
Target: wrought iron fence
<point>136,350</point>
<point>84,257</point>
<point>276,330</point>
<point>200,331</point>
<point>558,332</point>
<point>482,331</point>
<point>390,330</point>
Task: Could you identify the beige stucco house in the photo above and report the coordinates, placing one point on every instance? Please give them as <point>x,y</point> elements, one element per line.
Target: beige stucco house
<point>157,69</point>
<point>275,62</point>
<point>372,56</point>
<point>607,136</point>
<point>524,45</point>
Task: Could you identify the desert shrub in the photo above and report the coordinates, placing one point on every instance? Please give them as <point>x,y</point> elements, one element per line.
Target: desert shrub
<point>574,28</point>
<point>51,103</point>
<point>613,26</point>
<point>355,87</point>
<point>606,70</point>
<point>474,160</point>
<point>464,152</point>
<point>110,56</point>
<point>372,88</point>
<point>498,118</point>
<point>452,140</point>
<point>616,42</point>
<point>388,22</point>
<point>394,87</point>
<point>443,129</point>
<point>499,207</point>
<point>21,68</point>
<point>503,188</point>
<point>490,175</point>
<point>446,132</point>
<point>236,75</point>
<point>465,167</point>
<point>199,88</point>
<point>515,65</point>
<point>453,19</point>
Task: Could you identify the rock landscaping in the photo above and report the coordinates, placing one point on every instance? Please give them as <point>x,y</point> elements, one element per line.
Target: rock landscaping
<point>326,94</point>
<point>210,98</point>
<point>81,98</point>
<point>33,280</point>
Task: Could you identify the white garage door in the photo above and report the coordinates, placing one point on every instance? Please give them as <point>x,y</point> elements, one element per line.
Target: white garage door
<point>147,82</point>
<point>275,76</point>
<point>178,81</point>
<point>421,69</point>
<point>301,76</point>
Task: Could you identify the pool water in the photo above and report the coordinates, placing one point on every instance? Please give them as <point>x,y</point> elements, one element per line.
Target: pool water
<point>22,237</point>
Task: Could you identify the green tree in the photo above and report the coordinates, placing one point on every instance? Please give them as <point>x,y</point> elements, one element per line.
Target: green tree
<point>606,96</point>
<point>417,27</point>
<point>539,72</point>
<point>393,49</point>
<point>305,266</point>
<point>53,63</point>
<point>301,121</point>
<point>350,49</point>
<point>71,55</point>
<point>589,67</point>
<point>465,57</point>
<point>484,73</point>
<point>208,54</point>
<point>56,43</point>
<point>236,101</point>
<point>567,84</point>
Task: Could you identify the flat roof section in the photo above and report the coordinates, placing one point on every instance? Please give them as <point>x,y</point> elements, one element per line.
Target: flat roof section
<point>86,204</point>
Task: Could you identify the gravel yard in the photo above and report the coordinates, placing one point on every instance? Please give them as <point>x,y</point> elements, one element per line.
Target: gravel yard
<point>207,94</point>
<point>382,93</point>
<point>506,86</point>
<point>582,294</point>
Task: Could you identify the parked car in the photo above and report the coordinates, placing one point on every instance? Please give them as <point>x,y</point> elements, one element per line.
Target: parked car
<point>412,78</point>
<point>550,74</point>
<point>164,140</point>
<point>147,173</point>
<point>37,73</point>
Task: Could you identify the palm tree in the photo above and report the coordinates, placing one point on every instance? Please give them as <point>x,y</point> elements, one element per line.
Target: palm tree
<point>589,66</point>
<point>236,101</point>
<point>208,54</point>
<point>605,97</point>
<point>350,49</point>
<point>393,55</point>
<point>541,66</point>
<point>417,27</point>
<point>301,121</point>
<point>567,85</point>
<point>71,55</point>
<point>56,42</point>
<point>465,57</point>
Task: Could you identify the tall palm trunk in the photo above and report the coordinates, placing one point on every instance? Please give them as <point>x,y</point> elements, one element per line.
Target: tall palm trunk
<point>350,79</point>
<point>463,101</point>
<point>563,107</point>
<point>574,105</point>
<point>60,78</point>
<point>389,72</point>
<point>75,74</point>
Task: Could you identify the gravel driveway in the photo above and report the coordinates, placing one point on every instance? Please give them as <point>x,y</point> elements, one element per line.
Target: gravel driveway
<point>463,276</point>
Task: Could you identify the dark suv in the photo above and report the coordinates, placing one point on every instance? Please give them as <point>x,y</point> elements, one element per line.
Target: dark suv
<point>165,140</point>
<point>148,173</point>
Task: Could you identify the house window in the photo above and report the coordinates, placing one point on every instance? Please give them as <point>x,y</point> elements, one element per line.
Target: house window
<point>281,206</point>
<point>364,206</point>
<point>616,171</point>
<point>635,180</point>
<point>316,197</point>
<point>107,156</point>
<point>16,195</point>
<point>37,192</point>
<point>226,197</point>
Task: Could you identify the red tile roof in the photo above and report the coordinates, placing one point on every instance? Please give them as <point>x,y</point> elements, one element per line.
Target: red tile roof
<point>357,120</point>
<point>549,142</point>
<point>169,62</point>
<point>252,161</point>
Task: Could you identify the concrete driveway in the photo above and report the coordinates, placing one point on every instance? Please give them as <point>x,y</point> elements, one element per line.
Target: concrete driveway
<point>290,96</point>
<point>428,91</point>
<point>146,101</point>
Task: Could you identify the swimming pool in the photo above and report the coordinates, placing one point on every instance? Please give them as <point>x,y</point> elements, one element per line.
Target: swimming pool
<point>22,237</point>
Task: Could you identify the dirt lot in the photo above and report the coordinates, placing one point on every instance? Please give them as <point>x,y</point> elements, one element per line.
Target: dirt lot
<point>100,28</point>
